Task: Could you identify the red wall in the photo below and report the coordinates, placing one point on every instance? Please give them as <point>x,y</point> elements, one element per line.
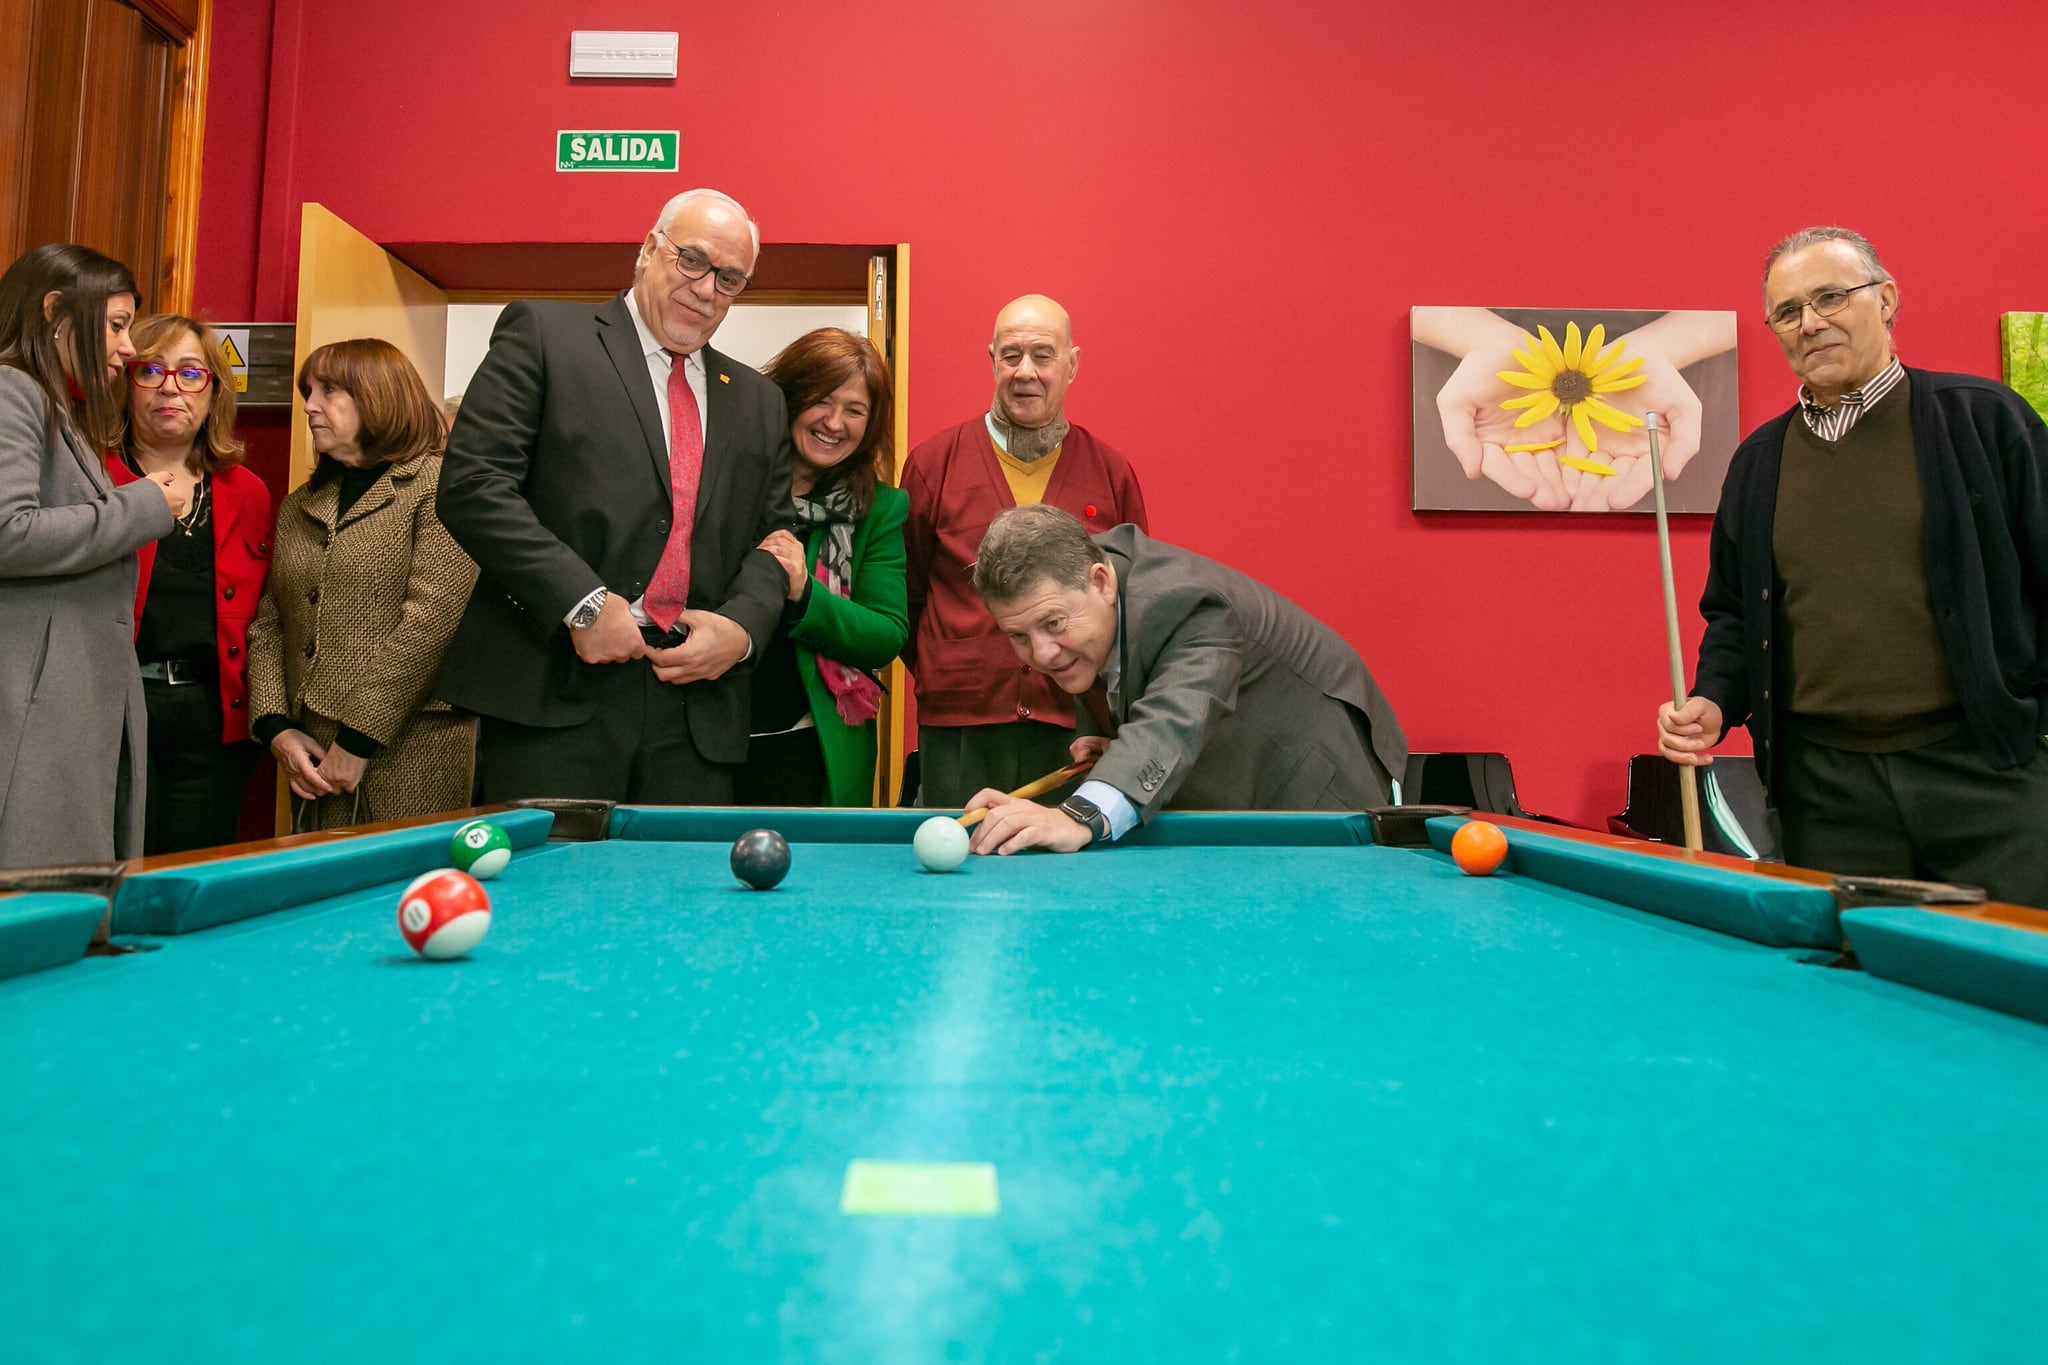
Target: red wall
<point>1238,203</point>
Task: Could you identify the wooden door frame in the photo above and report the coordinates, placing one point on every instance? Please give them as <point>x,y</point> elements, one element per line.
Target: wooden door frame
<point>889,302</point>
<point>189,71</point>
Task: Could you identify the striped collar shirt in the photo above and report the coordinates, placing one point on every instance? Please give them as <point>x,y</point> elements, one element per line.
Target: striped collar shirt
<point>1832,424</point>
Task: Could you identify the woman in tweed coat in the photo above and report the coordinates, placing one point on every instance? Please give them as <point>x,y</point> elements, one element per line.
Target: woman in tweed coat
<point>365,589</point>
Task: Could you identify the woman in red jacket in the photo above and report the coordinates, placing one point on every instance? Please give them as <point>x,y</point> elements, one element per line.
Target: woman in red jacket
<point>199,586</point>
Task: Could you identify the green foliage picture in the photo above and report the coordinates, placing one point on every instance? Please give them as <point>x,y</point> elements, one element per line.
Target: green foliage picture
<point>2026,356</point>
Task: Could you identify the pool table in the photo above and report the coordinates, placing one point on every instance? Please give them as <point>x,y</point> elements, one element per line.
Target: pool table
<point>1258,1087</point>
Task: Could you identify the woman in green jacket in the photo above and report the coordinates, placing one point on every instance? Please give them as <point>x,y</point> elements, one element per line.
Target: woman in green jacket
<point>815,693</point>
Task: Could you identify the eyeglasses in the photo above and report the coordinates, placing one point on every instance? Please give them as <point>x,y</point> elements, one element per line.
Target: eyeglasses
<point>1790,314</point>
<point>151,374</point>
<point>695,265</point>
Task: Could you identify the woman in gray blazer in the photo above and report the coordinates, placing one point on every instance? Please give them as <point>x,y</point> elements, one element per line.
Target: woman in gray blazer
<point>71,711</point>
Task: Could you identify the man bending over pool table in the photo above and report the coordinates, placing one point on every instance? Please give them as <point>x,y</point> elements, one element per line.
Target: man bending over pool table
<point>1201,689</point>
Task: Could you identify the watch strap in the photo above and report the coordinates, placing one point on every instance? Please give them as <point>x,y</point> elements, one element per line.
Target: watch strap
<point>1083,811</point>
<point>588,610</point>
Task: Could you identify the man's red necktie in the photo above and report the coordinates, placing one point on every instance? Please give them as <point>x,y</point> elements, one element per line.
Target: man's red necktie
<point>669,590</point>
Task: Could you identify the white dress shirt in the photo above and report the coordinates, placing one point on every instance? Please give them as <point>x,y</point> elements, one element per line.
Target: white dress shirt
<point>659,361</point>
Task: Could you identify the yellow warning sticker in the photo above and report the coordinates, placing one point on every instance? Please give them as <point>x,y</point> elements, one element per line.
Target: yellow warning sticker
<point>237,354</point>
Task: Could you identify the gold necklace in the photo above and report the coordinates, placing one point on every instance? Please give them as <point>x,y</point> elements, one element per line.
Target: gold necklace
<point>196,513</point>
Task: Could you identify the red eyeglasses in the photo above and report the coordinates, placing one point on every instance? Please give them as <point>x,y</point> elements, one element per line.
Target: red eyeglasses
<point>151,374</point>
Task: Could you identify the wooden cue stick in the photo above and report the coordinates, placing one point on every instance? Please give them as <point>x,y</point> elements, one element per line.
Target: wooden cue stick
<point>1035,787</point>
<point>1688,777</point>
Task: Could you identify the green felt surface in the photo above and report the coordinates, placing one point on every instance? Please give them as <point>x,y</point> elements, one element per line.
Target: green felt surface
<point>42,929</point>
<point>1302,1103</point>
<point>1777,913</point>
<point>1999,966</point>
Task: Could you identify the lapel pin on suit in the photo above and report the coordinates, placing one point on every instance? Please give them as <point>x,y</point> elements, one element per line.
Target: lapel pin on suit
<point>725,379</point>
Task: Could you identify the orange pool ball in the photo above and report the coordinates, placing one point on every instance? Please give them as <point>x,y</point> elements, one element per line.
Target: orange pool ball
<point>1478,847</point>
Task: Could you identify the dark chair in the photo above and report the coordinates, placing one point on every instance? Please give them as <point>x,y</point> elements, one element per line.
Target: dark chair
<point>1482,781</point>
<point>1734,816</point>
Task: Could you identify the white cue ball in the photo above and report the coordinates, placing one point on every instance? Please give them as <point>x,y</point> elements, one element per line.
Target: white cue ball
<point>941,845</point>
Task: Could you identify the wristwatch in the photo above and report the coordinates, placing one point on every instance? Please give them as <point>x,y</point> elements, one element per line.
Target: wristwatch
<point>585,615</point>
<point>1082,811</point>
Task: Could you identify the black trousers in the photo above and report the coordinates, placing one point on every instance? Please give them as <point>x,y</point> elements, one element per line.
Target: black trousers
<point>782,770</point>
<point>193,792</point>
<point>1939,812</point>
<point>635,747</point>
<point>956,761</point>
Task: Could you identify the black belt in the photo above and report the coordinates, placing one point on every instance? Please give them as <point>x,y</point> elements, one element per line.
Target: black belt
<point>657,638</point>
<point>180,672</point>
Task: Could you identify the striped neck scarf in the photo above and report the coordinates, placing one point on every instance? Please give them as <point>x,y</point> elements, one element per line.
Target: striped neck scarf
<point>857,695</point>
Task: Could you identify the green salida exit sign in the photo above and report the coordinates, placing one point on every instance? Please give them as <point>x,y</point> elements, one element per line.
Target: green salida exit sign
<point>612,149</point>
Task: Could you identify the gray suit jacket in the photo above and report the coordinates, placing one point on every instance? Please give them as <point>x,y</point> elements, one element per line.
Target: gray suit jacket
<point>1233,697</point>
<point>72,723</point>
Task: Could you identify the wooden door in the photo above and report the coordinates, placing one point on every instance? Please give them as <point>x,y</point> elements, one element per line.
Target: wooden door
<point>102,105</point>
<point>350,287</point>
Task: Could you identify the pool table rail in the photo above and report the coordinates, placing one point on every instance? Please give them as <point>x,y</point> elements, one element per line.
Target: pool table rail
<point>1989,954</point>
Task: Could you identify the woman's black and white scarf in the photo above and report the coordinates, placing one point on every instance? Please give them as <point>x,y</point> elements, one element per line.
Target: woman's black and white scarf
<point>857,695</point>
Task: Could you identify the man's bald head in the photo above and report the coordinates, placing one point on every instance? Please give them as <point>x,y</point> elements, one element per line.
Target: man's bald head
<point>1034,359</point>
<point>1035,310</point>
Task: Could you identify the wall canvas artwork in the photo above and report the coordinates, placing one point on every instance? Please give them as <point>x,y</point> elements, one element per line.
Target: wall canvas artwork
<point>2025,343</point>
<point>1544,409</point>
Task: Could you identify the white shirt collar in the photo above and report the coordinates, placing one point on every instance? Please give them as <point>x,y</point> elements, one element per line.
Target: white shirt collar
<point>648,345</point>
<point>1113,667</point>
<point>1864,395</point>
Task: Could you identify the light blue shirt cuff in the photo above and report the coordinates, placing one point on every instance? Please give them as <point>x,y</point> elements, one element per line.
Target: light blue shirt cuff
<point>1113,804</point>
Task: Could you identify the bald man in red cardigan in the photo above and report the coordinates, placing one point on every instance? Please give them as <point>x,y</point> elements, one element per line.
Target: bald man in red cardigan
<point>983,719</point>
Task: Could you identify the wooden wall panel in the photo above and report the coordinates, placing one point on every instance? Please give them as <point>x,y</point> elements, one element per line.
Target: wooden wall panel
<point>17,36</point>
<point>124,143</point>
<point>56,66</point>
<point>101,111</point>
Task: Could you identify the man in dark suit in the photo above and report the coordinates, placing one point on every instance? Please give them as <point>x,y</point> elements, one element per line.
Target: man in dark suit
<point>1206,689</point>
<point>613,477</point>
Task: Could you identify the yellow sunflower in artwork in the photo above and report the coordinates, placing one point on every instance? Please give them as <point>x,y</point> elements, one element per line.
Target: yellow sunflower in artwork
<point>1574,377</point>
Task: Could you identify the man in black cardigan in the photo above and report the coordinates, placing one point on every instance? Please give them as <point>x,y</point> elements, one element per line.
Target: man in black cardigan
<point>1875,598</point>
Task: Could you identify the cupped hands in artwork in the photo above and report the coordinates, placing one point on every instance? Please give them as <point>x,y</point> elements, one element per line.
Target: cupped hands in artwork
<point>1562,423</point>
<point>1488,440</point>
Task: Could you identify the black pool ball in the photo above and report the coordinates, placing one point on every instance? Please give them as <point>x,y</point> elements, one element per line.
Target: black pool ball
<point>760,858</point>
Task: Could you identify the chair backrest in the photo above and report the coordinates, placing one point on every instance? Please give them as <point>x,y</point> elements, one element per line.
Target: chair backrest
<point>1481,781</point>
<point>1735,818</point>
